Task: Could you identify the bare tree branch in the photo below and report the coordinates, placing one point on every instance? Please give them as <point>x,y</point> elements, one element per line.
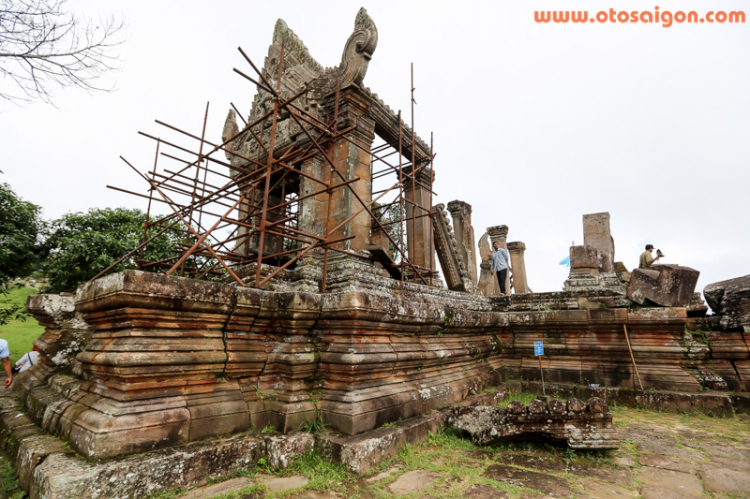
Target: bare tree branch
<point>42,47</point>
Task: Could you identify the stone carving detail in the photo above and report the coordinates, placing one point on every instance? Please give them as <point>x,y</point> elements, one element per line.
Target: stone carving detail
<point>358,51</point>
<point>461,214</point>
<point>584,425</point>
<point>230,130</point>
<point>455,273</point>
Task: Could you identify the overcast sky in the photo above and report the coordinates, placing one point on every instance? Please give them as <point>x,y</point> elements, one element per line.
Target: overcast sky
<point>535,124</point>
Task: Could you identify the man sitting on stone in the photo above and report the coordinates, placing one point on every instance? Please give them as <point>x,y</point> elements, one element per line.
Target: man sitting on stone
<point>646,259</point>
<point>499,264</point>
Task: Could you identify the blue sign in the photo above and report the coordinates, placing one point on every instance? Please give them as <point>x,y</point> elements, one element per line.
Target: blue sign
<point>538,348</point>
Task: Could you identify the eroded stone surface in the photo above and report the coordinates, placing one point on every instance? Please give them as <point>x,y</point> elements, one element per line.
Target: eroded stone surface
<point>606,489</point>
<point>666,462</point>
<point>719,479</point>
<point>684,483</point>
<point>482,491</point>
<point>547,484</point>
<point>217,489</point>
<point>411,482</point>
<point>730,300</point>
<point>283,483</point>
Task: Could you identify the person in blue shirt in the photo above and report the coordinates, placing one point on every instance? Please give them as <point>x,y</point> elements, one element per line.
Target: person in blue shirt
<point>499,263</point>
<point>5,358</point>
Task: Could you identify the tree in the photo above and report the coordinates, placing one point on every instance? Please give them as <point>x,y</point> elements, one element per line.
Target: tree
<point>82,245</point>
<point>42,47</point>
<point>21,233</point>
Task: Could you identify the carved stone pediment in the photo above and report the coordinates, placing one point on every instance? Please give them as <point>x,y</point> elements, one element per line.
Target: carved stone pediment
<point>301,72</point>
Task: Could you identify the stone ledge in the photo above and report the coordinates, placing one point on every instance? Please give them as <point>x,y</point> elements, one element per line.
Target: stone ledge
<point>711,403</point>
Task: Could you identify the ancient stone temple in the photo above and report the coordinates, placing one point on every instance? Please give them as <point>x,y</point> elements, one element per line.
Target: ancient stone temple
<point>321,302</point>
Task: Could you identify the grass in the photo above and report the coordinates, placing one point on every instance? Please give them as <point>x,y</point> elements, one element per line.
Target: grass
<point>9,487</point>
<point>19,334</point>
<point>524,397</point>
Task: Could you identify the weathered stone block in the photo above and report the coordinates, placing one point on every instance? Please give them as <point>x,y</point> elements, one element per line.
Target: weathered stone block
<point>584,257</point>
<point>731,300</point>
<point>596,233</point>
<point>664,285</point>
<point>583,426</point>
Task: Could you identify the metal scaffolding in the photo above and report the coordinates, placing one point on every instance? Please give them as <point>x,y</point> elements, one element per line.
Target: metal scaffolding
<point>229,218</point>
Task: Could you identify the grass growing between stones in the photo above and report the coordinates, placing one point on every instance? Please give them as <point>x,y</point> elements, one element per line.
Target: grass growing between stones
<point>524,397</point>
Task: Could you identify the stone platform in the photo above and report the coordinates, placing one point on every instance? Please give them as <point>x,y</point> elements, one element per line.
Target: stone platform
<point>173,360</point>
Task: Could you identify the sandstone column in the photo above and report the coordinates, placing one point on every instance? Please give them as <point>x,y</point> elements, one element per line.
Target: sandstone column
<point>352,161</point>
<point>516,250</point>
<point>487,280</point>
<point>464,232</point>
<point>499,233</point>
<point>418,231</point>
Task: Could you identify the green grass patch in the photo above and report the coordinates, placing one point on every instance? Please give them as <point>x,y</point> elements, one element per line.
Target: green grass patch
<point>20,334</point>
<point>9,487</point>
<point>322,473</point>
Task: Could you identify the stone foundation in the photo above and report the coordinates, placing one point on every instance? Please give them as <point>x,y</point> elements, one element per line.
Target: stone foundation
<point>173,360</point>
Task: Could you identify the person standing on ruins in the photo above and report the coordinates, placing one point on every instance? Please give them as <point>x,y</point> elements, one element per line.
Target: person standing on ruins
<point>500,265</point>
<point>646,259</point>
<point>5,358</point>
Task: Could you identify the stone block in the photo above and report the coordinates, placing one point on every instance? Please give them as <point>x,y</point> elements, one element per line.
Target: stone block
<point>584,257</point>
<point>730,299</point>
<point>664,285</point>
<point>282,449</point>
<point>596,233</point>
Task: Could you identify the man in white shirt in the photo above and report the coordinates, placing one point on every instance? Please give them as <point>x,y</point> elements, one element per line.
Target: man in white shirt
<point>499,263</point>
<point>5,358</point>
<point>28,360</point>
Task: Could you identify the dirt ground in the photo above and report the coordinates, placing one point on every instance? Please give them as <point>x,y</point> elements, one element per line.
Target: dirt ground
<point>662,456</point>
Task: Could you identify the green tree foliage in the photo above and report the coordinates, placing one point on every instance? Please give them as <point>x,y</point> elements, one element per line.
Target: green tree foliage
<point>21,233</point>
<point>84,244</point>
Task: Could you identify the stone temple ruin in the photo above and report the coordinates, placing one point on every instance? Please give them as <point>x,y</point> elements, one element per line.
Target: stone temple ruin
<point>306,292</point>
